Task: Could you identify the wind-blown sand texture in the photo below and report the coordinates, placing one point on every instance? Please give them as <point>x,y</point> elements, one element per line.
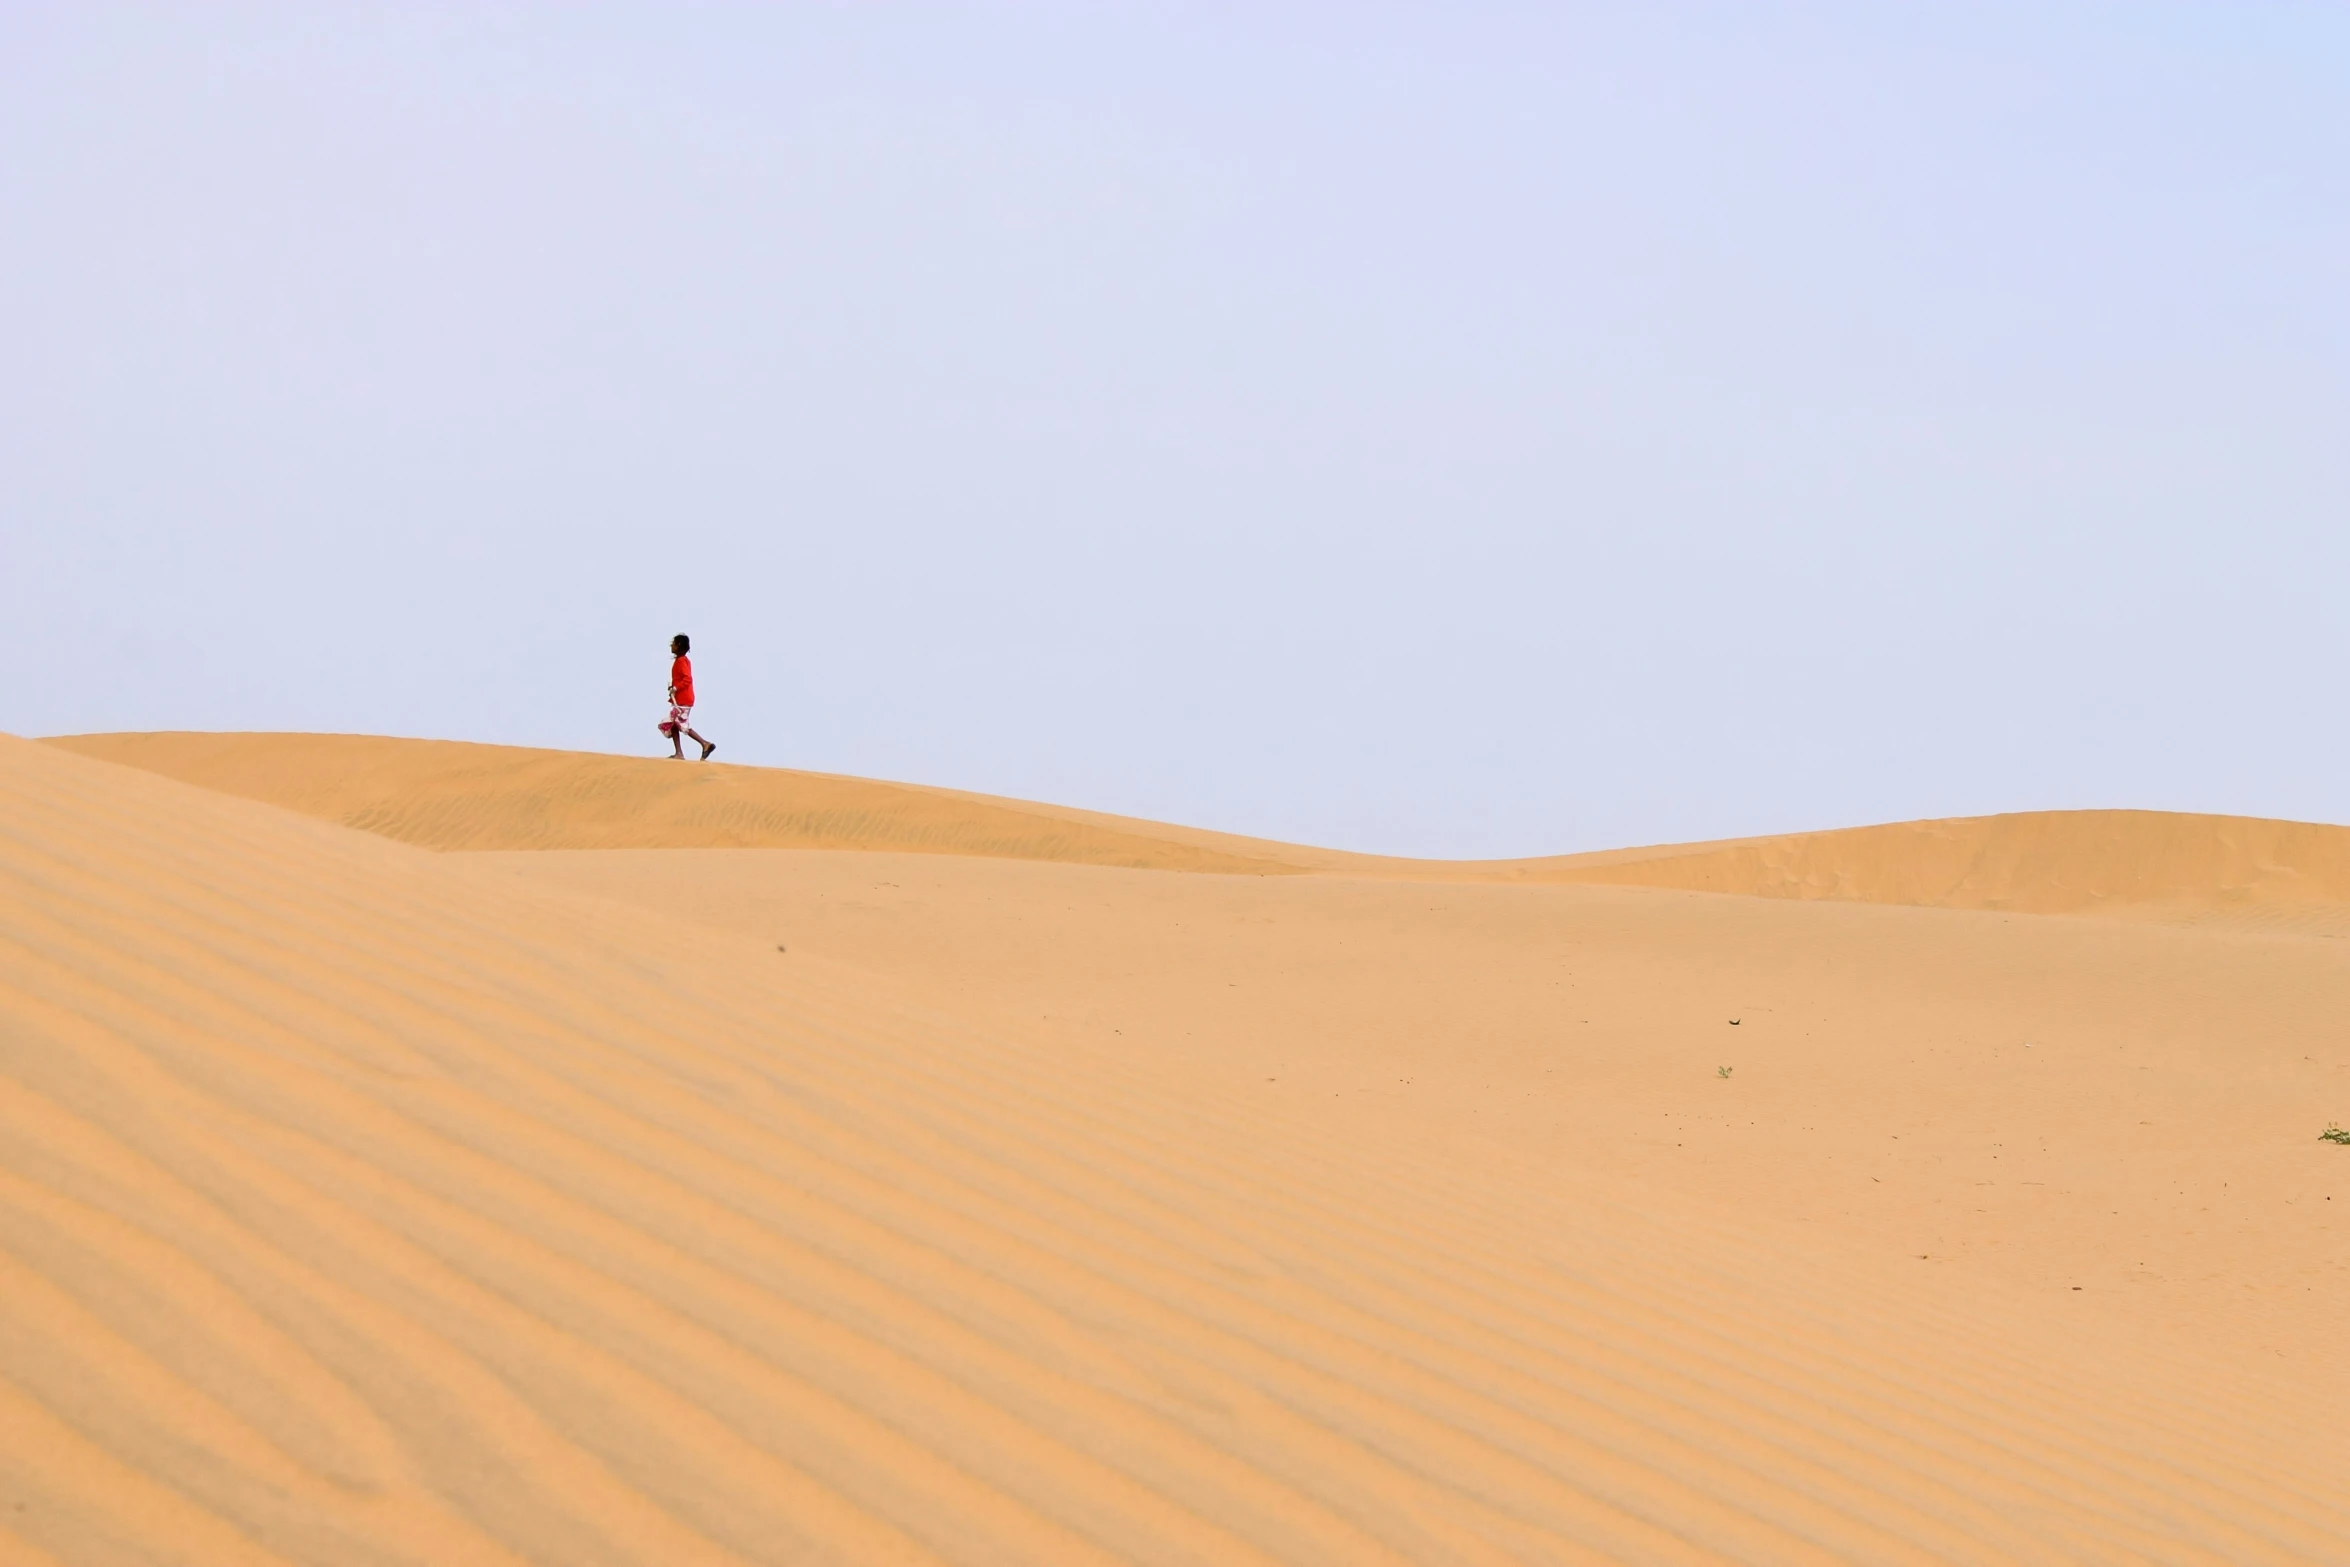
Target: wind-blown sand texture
<point>360,1203</point>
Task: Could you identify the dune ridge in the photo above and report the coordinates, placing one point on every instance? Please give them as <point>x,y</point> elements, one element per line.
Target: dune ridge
<point>455,795</point>
<point>359,1204</point>
<point>461,796</point>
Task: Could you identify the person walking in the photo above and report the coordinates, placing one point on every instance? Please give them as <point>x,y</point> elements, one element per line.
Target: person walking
<point>679,725</point>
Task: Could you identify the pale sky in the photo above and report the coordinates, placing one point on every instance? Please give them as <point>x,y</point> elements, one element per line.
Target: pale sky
<point>1462,430</point>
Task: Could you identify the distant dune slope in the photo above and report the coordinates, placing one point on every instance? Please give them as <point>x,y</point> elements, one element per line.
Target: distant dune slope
<point>2040,862</point>
<point>451,795</point>
<point>359,1204</point>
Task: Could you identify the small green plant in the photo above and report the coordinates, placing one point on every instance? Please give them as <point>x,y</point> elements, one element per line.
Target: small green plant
<point>2333,1134</point>
<point>1723,1071</point>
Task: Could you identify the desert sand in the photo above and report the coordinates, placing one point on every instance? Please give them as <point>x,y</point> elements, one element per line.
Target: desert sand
<point>721,1164</point>
<point>451,795</point>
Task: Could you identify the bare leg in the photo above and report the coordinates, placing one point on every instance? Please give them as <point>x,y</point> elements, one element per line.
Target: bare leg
<point>707,746</point>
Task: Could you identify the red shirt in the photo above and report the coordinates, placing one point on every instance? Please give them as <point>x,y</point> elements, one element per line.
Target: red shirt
<point>681,681</point>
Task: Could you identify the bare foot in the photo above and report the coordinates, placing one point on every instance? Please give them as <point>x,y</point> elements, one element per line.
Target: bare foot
<point>707,747</point>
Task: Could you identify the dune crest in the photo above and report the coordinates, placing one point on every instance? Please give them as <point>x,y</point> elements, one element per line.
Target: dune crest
<point>448,794</point>
<point>456,795</point>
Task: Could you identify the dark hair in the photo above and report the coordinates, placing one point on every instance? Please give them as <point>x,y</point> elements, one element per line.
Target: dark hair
<point>681,643</point>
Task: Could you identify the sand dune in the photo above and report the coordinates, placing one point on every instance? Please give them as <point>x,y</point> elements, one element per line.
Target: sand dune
<point>2035,862</point>
<point>447,795</point>
<point>2034,1104</point>
<point>364,1204</point>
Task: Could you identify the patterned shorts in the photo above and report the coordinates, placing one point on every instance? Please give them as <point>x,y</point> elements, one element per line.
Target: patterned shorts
<point>679,720</point>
